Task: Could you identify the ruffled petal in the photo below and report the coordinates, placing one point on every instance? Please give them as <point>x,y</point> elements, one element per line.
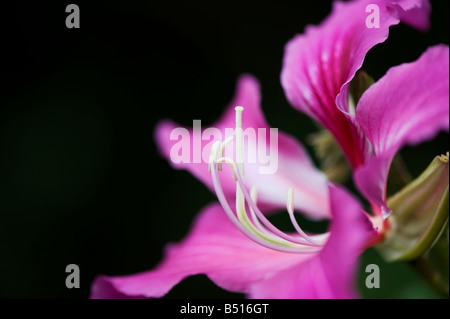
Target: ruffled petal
<point>409,105</point>
<point>275,161</point>
<point>319,64</point>
<point>330,274</point>
<point>214,247</point>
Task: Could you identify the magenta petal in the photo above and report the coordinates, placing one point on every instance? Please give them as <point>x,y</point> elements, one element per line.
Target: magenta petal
<point>319,64</point>
<point>213,247</point>
<point>416,13</point>
<point>216,248</point>
<point>409,105</point>
<point>290,166</point>
<point>330,274</point>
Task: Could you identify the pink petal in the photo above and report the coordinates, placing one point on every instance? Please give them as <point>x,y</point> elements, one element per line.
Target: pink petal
<point>214,247</point>
<point>330,274</point>
<point>409,105</point>
<point>291,166</point>
<point>416,13</point>
<point>319,64</point>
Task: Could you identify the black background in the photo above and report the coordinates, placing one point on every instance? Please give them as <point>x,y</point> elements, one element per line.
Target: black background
<point>80,178</point>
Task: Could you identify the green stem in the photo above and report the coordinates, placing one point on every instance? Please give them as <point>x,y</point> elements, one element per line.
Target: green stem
<point>434,266</point>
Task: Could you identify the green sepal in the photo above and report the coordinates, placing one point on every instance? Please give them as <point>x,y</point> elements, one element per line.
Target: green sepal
<point>420,213</point>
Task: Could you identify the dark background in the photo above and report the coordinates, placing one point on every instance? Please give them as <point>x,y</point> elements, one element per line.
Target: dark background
<point>80,178</point>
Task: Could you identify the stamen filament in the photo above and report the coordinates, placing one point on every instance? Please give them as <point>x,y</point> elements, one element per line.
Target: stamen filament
<point>223,201</point>
<point>240,202</point>
<point>258,228</point>
<point>222,148</point>
<point>254,196</point>
<point>290,209</point>
<point>263,218</point>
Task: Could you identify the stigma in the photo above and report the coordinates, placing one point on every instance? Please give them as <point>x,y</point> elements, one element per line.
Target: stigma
<point>252,222</point>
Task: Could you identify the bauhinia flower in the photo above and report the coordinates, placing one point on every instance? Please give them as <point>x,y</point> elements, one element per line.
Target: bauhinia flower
<point>244,252</point>
<point>233,243</point>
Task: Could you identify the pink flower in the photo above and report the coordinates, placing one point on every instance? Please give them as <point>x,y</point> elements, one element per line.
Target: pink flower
<point>222,251</point>
<point>244,252</point>
<point>406,106</point>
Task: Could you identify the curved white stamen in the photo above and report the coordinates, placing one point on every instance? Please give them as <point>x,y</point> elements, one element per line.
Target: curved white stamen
<point>239,141</point>
<point>254,194</point>
<point>222,148</point>
<point>240,201</point>
<point>254,197</point>
<point>263,218</point>
<point>213,155</point>
<point>228,161</point>
<point>225,143</point>
<point>258,228</point>
<point>267,226</point>
<point>290,209</point>
<point>235,221</point>
<point>240,187</point>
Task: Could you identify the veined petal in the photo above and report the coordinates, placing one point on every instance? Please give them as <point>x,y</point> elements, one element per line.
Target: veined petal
<point>409,105</point>
<point>330,274</point>
<point>214,247</point>
<point>274,160</point>
<point>218,249</point>
<point>319,64</point>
